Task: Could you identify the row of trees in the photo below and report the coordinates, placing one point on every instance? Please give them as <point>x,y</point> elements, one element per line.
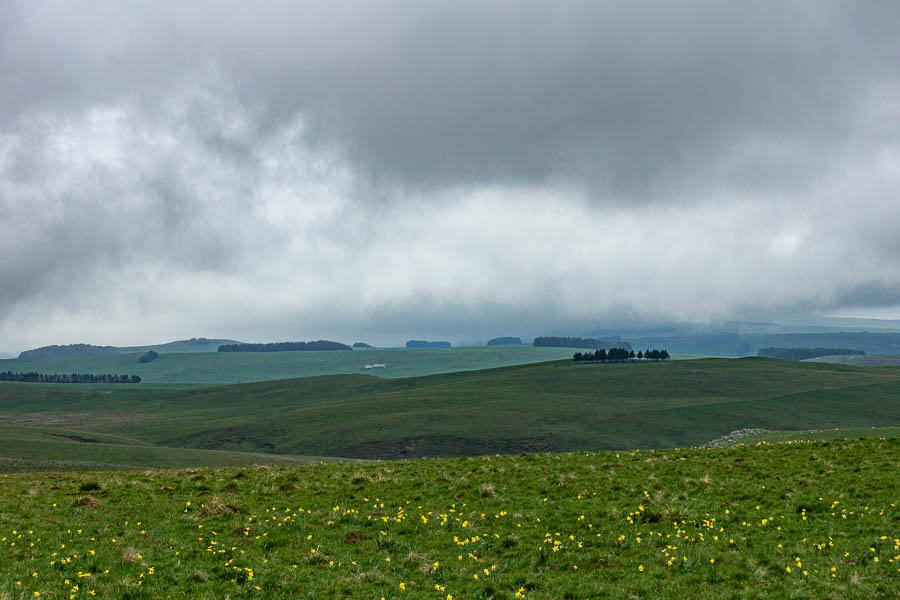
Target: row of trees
<point>505,341</point>
<point>419,344</point>
<point>67,378</point>
<point>619,355</point>
<point>285,347</point>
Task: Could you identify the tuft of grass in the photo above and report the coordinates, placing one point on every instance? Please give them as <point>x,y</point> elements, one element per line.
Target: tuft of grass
<point>486,490</point>
<point>86,501</point>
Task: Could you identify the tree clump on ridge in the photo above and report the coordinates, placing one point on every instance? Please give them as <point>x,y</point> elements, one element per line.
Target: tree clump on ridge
<point>620,355</point>
<point>148,356</point>
<point>284,347</point>
<point>425,344</point>
<point>505,341</point>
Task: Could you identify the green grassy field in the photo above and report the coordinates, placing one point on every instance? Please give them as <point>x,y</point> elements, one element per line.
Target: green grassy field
<point>24,448</point>
<point>555,406</point>
<point>819,435</point>
<point>233,367</point>
<point>808,520</point>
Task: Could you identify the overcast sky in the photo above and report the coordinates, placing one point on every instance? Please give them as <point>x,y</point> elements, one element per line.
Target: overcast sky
<point>457,170</point>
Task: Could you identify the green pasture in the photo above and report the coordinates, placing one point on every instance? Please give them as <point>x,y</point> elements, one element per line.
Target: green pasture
<point>775,437</point>
<point>24,448</point>
<point>552,406</point>
<point>233,367</point>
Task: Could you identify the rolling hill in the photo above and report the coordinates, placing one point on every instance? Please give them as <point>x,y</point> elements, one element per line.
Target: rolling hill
<point>226,367</point>
<point>868,360</point>
<point>553,406</point>
<point>24,448</point>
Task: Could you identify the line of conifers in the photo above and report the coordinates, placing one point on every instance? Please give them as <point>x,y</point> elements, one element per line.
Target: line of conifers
<point>619,355</point>
<point>67,377</point>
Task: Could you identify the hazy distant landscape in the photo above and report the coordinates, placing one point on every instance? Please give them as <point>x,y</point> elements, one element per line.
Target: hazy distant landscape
<point>234,367</point>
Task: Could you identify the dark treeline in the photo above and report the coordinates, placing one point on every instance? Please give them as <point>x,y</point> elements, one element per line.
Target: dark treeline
<point>424,344</point>
<point>285,347</point>
<point>70,351</point>
<point>67,378</point>
<point>577,342</point>
<point>803,353</point>
<point>619,355</point>
<point>505,341</point>
<point>361,345</point>
<point>148,356</point>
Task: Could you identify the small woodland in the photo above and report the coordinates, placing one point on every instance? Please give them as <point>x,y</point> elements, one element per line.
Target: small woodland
<point>285,347</point>
<point>620,355</point>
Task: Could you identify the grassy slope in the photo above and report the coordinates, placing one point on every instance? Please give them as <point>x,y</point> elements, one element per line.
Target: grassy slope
<point>774,437</point>
<point>233,367</point>
<point>868,360</point>
<point>549,406</point>
<point>205,345</point>
<point>806,521</point>
<point>24,448</point>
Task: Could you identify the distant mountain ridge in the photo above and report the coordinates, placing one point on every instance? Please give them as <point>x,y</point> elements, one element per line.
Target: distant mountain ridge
<point>69,351</point>
<point>318,345</point>
<point>427,344</point>
<point>505,341</point>
<point>89,350</point>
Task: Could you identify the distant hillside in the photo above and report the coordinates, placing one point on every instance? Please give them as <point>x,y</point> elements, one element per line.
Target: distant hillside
<point>200,344</point>
<point>421,344</point>
<point>70,351</point>
<point>553,406</point>
<point>733,344</point>
<point>577,342</point>
<point>804,353</point>
<point>862,360</point>
<point>233,367</point>
<point>88,350</point>
<point>505,341</point>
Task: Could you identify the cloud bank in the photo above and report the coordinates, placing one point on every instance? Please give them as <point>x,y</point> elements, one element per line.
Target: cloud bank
<point>424,169</point>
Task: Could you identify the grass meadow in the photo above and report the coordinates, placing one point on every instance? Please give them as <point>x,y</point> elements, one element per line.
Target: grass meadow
<point>799,520</point>
<point>554,406</point>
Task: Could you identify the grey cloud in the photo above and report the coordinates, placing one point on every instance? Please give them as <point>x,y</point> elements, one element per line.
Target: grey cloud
<point>313,169</point>
<point>871,294</point>
<point>622,99</point>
